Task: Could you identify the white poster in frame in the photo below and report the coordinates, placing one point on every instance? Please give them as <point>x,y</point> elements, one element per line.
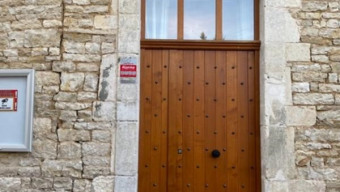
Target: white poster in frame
<point>16,109</point>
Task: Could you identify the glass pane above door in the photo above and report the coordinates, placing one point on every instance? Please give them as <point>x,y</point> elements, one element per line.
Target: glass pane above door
<point>161,19</point>
<point>238,19</point>
<point>200,19</point>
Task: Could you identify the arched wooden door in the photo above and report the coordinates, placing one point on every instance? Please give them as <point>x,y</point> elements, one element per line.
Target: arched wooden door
<point>199,123</point>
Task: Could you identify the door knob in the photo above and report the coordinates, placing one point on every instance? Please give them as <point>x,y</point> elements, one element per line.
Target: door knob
<point>215,153</point>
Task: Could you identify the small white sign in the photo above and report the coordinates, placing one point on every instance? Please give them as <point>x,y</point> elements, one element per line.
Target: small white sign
<point>6,104</point>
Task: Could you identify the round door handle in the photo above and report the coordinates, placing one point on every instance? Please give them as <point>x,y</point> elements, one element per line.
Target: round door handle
<point>215,153</point>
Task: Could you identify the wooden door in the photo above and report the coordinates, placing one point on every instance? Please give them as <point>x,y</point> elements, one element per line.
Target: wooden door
<point>196,102</point>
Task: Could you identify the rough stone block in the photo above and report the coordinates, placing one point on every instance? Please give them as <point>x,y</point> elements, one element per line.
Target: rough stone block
<point>72,81</point>
<point>42,38</point>
<point>91,82</point>
<point>64,183</point>
<point>46,78</point>
<point>59,168</point>
<point>300,116</point>
<point>73,135</point>
<point>103,184</point>
<point>301,87</point>
<point>96,149</point>
<point>313,98</point>
<point>82,185</point>
<point>69,150</point>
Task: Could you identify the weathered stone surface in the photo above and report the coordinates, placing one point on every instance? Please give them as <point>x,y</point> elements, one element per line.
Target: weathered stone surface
<point>63,66</point>
<point>71,168</point>
<point>125,183</point>
<point>64,183</point>
<point>313,98</point>
<point>42,38</point>
<point>73,135</point>
<point>105,22</point>
<point>10,183</point>
<point>91,82</point>
<point>72,81</point>
<point>298,52</point>
<point>103,184</point>
<point>69,150</point>
<point>104,111</point>
<point>306,116</point>
<point>82,185</point>
<point>42,183</point>
<point>96,149</point>
<point>45,78</point>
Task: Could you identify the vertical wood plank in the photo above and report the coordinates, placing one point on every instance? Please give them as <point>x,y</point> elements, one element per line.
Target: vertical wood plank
<point>210,115</point>
<point>220,131</point>
<point>188,123</point>
<point>219,22</point>
<point>231,111</point>
<point>175,121</point>
<point>144,182</point>
<point>256,19</point>
<point>156,119</point>
<point>243,120</point>
<point>199,138</point>
<point>251,121</point>
<point>164,137</point>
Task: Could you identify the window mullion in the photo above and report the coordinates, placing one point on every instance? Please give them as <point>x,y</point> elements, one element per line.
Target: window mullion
<point>219,20</point>
<point>180,22</point>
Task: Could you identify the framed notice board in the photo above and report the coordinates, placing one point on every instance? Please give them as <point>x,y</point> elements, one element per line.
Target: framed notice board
<point>16,110</point>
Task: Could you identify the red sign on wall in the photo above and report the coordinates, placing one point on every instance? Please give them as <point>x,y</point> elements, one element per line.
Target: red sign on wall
<point>8,100</point>
<point>128,70</point>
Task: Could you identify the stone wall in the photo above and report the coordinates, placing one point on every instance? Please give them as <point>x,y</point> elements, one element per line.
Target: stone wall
<point>81,109</point>
<point>300,95</point>
<point>316,93</point>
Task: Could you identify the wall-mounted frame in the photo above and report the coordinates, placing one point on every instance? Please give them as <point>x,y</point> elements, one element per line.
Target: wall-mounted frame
<point>16,109</point>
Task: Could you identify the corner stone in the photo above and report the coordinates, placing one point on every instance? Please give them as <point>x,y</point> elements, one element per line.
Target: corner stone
<point>298,52</point>
<point>300,116</point>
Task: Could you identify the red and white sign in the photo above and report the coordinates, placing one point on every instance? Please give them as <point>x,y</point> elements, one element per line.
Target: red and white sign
<point>8,100</point>
<point>128,70</point>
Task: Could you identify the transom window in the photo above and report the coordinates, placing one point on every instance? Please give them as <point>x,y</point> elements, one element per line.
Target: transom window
<point>199,19</point>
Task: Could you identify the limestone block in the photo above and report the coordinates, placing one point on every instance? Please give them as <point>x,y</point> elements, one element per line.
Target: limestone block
<point>333,77</point>
<point>52,168</point>
<point>39,51</point>
<point>81,2</point>
<point>337,99</point>
<point>46,78</point>
<point>42,38</point>
<point>26,24</point>
<point>82,57</point>
<point>318,146</point>
<point>42,128</point>
<point>331,117</point>
<point>54,51</point>
<point>313,98</point>
<point>125,184</point>
<point>314,6</point>
<point>44,148</point>
<point>65,96</point>
<point>103,184</point>
<point>42,183</point>
<point>64,183</point>
<point>87,67</point>
<point>93,48</point>
<point>74,47</point>
<point>322,135</point>
<point>82,185</point>
<point>127,111</point>
<point>11,52</point>
<point>52,23</point>
<point>300,116</point>
<point>96,9</point>
<point>320,58</point>
<point>126,149</point>
<point>96,149</point>
<point>129,21</point>
<point>91,82</point>
<point>93,126</point>
<point>298,52</point>
<point>333,186</point>
<point>104,111</point>
<point>63,66</point>
<point>101,136</point>
<point>97,161</point>
<point>295,185</point>
<point>73,135</point>
<point>329,88</point>
<point>69,150</point>
<point>301,87</point>
<point>29,171</point>
<point>86,96</point>
<point>91,172</point>
<point>108,22</point>
<point>108,79</point>
<point>72,81</point>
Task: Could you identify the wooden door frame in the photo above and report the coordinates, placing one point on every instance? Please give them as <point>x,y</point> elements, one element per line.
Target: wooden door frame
<point>218,44</point>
